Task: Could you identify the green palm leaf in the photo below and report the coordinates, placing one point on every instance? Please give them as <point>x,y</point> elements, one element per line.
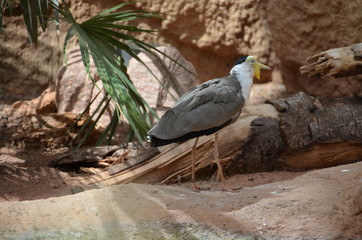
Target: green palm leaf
<point>35,12</point>
<point>102,39</point>
<point>5,5</point>
<point>99,37</point>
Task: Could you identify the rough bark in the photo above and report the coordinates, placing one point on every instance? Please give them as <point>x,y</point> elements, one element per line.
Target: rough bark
<point>259,152</point>
<point>306,120</point>
<point>312,133</point>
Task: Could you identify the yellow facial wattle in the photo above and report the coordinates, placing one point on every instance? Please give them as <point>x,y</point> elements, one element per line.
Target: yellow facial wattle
<point>257,66</point>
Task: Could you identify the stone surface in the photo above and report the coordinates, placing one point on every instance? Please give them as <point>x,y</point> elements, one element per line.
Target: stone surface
<point>74,87</point>
<point>300,29</point>
<point>323,204</point>
<point>43,104</point>
<point>281,34</point>
<point>261,92</point>
<point>210,34</point>
<point>46,102</point>
<point>149,86</point>
<point>43,131</point>
<point>26,71</point>
<point>213,34</point>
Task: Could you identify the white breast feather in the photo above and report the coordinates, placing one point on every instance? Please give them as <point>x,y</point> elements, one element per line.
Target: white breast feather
<point>244,73</point>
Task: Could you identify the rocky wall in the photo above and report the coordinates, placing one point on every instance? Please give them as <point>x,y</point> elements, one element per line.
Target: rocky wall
<point>211,34</point>
<point>300,29</point>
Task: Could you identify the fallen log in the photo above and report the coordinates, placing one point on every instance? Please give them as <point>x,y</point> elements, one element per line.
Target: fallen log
<point>300,132</point>
<point>311,133</point>
<point>336,62</point>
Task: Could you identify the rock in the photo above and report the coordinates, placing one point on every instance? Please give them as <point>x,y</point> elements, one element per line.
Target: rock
<point>322,204</point>
<point>300,29</point>
<point>19,108</point>
<point>26,71</point>
<point>261,92</point>
<point>75,90</point>
<point>149,86</point>
<point>213,34</point>
<point>46,102</point>
<point>11,160</point>
<point>45,131</point>
<point>74,86</point>
<point>210,34</point>
<point>43,104</point>
<point>280,34</point>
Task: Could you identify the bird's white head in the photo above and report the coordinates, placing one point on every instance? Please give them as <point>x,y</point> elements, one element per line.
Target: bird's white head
<point>244,70</point>
<point>248,64</point>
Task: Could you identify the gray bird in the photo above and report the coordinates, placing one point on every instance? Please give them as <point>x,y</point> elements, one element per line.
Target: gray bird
<point>207,108</point>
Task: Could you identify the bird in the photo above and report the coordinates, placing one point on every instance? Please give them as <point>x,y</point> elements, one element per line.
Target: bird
<point>207,108</point>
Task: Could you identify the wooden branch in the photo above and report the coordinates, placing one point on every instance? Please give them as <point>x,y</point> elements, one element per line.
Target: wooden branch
<point>299,132</point>
<point>336,62</point>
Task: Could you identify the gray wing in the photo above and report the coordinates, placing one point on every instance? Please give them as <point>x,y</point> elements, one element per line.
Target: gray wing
<point>205,106</point>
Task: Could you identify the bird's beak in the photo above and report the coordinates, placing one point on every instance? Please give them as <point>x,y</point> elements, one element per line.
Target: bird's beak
<point>257,66</point>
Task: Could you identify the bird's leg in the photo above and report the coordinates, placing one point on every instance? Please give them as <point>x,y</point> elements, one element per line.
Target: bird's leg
<point>220,173</point>
<point>196,188</point>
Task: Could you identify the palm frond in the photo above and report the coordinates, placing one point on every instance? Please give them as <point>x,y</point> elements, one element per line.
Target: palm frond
<point>4,6</point>
<point>42,13</point>
<point>35,13</point>
<point>102,39</point>
<point>99,38</point>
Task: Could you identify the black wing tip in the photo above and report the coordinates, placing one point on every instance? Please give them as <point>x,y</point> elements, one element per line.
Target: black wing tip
<point>157,142</point>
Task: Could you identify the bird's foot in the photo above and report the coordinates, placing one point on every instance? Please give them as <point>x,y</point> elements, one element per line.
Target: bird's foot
<point>220,176</point>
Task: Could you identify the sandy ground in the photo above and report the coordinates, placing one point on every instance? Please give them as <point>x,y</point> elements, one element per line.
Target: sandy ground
<point>321,204</point>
